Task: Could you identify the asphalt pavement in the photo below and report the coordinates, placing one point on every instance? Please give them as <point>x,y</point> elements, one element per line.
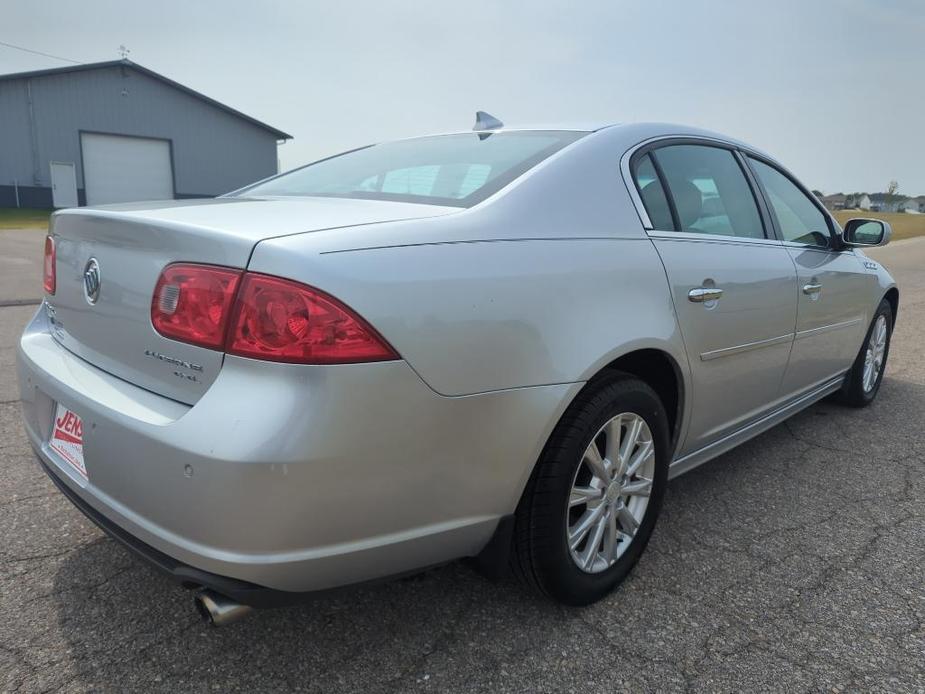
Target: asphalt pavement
<point>794,563</point>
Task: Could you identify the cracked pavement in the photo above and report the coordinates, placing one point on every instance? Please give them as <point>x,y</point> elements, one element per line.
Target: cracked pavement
<point>793,563</point>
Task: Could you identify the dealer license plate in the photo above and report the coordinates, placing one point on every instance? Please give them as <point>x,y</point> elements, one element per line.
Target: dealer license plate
<point>67,439</point>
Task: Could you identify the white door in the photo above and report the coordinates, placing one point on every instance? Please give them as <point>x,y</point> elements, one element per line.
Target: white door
<point>118,168</point>
<point>63,184</point>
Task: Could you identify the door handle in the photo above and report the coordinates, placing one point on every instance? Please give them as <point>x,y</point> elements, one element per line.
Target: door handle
<point>812,288</point>
<point>701,294</point>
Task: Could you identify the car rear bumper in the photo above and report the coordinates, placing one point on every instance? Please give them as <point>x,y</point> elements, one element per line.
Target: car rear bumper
<point>240,591</point>
<point>286,477</point>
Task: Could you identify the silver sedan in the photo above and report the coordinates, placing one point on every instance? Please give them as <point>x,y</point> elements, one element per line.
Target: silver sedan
<point>497,344</point>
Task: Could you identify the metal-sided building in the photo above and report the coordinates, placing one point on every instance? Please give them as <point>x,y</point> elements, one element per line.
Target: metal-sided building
<point>117,132</point>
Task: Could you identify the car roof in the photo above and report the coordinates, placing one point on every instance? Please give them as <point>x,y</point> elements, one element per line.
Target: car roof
<point>633,132</point>
<point>626,135</point>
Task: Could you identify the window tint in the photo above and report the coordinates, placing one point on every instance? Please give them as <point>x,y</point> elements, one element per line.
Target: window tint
<point>798,218</point>
<point>456,170</point>
<point>710,192</point>
<point>652,194</point>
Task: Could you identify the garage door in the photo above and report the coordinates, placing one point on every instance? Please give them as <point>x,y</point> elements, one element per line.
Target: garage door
<point>125,169</point>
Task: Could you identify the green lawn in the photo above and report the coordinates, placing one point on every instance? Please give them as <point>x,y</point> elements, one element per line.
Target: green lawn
<point>904,225</point>
<point>13,218</point>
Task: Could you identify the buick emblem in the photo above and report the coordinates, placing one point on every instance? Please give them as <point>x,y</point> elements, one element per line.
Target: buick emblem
<point>92,281</point>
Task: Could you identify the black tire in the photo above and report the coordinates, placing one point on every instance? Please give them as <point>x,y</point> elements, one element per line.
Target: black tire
<point>852,393</point>
<point>541,557</point>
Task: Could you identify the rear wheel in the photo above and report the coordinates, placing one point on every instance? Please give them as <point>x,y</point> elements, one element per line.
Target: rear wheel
<point>592,501</point>
<point>863,381</point>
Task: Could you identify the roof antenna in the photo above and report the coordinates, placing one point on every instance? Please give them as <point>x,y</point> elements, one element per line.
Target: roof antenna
<point>486,121</point>
<point>123,52</point>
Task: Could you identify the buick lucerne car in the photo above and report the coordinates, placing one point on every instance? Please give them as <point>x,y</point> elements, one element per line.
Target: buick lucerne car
<point>497,344</point>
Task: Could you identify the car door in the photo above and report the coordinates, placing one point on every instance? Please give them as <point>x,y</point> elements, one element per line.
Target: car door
<point>733,285</point>
<point>831,321</point>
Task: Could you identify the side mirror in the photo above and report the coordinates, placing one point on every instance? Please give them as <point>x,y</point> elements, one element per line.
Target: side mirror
<point>866,233</point>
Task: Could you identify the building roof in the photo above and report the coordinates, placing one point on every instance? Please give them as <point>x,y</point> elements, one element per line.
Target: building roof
<point>150,73</point>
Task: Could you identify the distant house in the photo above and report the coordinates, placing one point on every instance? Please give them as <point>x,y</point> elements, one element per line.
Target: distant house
<point>875,202</point>
<point>881,202</point>
<point>859,201</point>
<point>916,204</point>
<point>834,202</point>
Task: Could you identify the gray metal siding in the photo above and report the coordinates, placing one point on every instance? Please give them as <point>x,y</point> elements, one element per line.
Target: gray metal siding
<point>15,155</point>
<point>213,151</point>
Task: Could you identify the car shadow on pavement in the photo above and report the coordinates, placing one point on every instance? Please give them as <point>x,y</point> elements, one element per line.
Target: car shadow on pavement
<point>133,626</point>
<point>778,561</point>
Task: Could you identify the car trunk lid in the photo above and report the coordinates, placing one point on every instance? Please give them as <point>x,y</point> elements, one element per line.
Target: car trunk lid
<point>130,246</point>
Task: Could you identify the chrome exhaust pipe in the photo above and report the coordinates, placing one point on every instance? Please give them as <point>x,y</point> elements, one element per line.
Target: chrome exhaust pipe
<point>218,610</point>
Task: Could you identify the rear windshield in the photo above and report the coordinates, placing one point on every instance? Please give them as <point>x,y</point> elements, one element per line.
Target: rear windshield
<point>459,170</point>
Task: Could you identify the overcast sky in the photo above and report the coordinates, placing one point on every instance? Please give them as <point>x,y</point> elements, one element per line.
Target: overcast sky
<point>834,89</point>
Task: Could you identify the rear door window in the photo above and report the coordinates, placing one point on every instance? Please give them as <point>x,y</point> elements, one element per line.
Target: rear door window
<point>708,191</point>
<point>652,194</point>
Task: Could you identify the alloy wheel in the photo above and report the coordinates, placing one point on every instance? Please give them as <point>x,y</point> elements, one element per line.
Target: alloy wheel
<point>610,492</point>
<point>876,351</point>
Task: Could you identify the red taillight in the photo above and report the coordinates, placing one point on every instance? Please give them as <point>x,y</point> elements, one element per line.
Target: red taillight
<point>261,317</point>
<point>48,269</point>
<point>280,320</point>
<point>192,303</point>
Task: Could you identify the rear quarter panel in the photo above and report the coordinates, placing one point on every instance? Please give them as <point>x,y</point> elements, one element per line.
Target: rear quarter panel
<point>479,316</point>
